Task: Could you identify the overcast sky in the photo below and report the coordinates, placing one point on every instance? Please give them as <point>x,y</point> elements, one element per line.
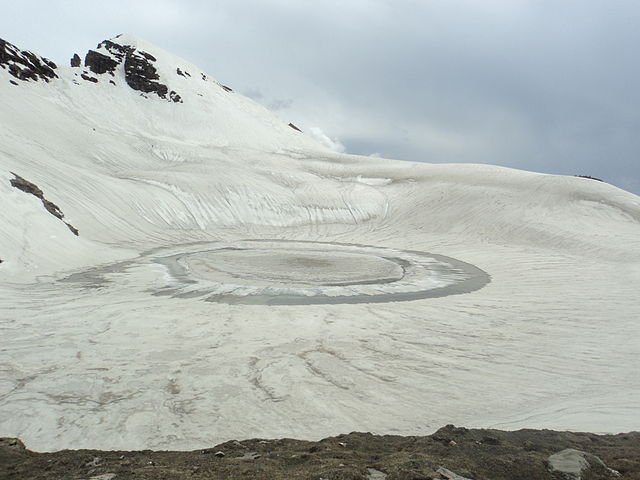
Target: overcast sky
<point>543,85</point>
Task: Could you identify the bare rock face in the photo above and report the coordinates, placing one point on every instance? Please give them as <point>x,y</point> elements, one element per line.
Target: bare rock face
<point>89,78</point>
<point>141,75</point>
<point>31,188</point>
<point>139,70</point>
<point>76,60</point>
<point>99,63</point>
<point>25,65</point>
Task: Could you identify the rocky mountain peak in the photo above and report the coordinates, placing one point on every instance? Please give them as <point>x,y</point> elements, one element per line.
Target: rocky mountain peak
<point>124,59</point>
<point>139,67</point>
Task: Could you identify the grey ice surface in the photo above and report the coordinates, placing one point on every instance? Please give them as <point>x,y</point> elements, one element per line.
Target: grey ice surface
<point>302,273</point>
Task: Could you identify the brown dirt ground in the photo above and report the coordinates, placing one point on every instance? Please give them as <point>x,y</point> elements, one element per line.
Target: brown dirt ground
<point>471,453</point>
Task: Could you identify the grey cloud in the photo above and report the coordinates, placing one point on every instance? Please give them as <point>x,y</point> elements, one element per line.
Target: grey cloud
<point>280,104</point>
<point>253,93</point>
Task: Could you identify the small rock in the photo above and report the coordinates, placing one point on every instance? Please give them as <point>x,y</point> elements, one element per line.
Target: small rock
<point>219,454</point>
<point>448,474</point>
<point>342,444</point>
<point>89,79</point>
<point>571,463</point>
<point>375,474</point>
<point>93,463</point>
<point>13,442</point>
<point>104,476</point>
<point>249,456</point>
<point>452,443</point>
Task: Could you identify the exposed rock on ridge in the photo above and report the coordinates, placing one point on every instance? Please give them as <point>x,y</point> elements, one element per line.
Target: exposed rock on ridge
<point>139,70</point>
<point>75,60</point>
<point>31,188</point>
<point>99,63</point>
<point>25,65</point>
<point>138,67</point>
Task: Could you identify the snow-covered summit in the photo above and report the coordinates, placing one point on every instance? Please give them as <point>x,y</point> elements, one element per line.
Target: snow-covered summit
<point>109,82</point>
<point>131,58</point>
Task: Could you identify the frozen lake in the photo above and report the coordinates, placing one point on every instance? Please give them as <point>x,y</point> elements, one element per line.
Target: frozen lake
<point>234,279</point>
<point>277,272</point>
<point>138,354</point>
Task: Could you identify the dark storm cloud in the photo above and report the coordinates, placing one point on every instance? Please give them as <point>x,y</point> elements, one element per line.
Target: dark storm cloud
<point>541,85</point>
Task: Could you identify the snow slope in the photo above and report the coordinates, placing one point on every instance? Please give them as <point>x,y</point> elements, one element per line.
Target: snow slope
<point>96,353</point>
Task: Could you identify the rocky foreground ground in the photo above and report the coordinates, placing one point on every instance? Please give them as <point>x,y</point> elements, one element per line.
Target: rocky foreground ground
<point>450,453</point>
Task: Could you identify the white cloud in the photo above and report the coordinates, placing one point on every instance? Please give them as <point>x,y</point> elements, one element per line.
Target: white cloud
<point>332,143</point>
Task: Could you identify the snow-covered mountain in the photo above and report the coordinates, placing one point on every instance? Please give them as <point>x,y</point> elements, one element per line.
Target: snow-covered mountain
<point>180,267</point>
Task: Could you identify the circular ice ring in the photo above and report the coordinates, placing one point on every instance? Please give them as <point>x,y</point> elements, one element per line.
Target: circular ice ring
<point>281,272</point>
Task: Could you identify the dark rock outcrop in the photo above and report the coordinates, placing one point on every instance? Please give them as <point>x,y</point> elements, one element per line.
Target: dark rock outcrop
<point>25,65</point>
<point>139,70</point>
<point>88,78</point>
<point>115,49</point>
<point>31,188</point>
<point>294,127</point>
<point>590,177</point>
<point>141,75</point>
<point>148,56</point>
<point>99,63</point>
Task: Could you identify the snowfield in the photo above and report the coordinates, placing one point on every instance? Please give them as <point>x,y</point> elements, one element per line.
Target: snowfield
<point>167,323</point>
